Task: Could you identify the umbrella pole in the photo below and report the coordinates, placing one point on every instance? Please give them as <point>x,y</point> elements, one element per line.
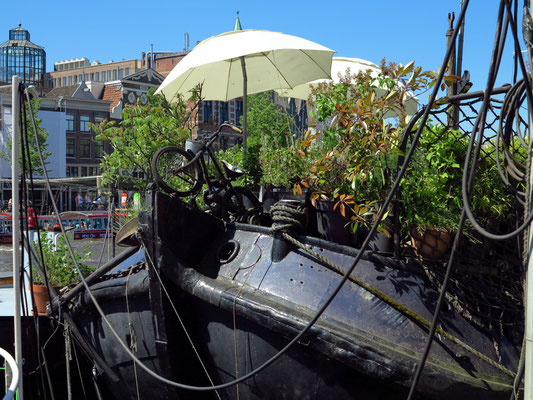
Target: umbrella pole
<point>244,106</point>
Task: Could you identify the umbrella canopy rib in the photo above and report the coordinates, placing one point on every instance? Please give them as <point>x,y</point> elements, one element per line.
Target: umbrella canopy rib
<point>328,73</point>
<point>280,74</point>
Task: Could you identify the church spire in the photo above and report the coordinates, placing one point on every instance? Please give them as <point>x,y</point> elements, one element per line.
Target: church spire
<point>238,26</point>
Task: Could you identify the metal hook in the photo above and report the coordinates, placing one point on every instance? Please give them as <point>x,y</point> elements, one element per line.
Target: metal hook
<point>451,18</point>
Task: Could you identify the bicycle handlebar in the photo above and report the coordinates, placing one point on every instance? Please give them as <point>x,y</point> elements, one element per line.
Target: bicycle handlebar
<point>210,139</point>
<point>217,132</point>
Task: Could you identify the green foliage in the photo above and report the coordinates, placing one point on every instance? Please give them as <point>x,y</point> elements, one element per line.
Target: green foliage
<point>58,262</point>
<point>42,136</point>
<point>431,189</point>
<point>233,155</point>
<point>265,119</point>
<point>357,151</point>
<point>282,166</point>
<point>144,130</point>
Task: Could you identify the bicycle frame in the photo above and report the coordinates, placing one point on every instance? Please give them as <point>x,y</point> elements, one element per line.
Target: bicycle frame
<point>199,158</point>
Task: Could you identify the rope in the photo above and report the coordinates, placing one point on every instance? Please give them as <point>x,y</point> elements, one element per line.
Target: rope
<point>152,265</point>
<point>234,306</point>
<point>286,217</point>
<point>68,358</point>
<point>79,372</point>
<point>133,340</point>
<point>396,305</point>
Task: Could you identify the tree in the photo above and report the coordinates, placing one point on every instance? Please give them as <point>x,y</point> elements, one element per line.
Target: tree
<point>42,135</point>
<point>265,118</point>
<point>142,131</point>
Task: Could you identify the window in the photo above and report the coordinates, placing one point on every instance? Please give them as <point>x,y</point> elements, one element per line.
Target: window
<point>222,112</point>
<point>72,172</point>
<point>84,171</point>
<point>115,72</point>
<point>103,76</point>
<point>70,80</point>
<point>85,148</point>
<point>71,152</point>
<point>64,81</point>
<point>208,110</point>
<point>238,112</point>
<point>55,82</point>
<point>75,79</point>
<point>80,77</point>
<point>84,123</point>
<point>121,73</point>
<point>108,74</point>
<point>127,71</point>
<point>97,77</point>
<point>70,122</point>
<point>86,77</point>
<point>92,76</point>
<point>98,148</point>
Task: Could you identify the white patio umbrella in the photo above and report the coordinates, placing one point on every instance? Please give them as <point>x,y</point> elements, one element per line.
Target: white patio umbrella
<point>238,63</point>
<point>340,66</point>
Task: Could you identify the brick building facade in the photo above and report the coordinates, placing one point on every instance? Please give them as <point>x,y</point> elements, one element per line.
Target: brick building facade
<point>78,70</point>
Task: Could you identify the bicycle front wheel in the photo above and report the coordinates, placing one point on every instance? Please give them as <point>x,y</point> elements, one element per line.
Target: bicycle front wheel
<point>173,172</point>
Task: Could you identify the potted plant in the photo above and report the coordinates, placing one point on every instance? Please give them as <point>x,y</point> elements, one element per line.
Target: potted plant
<point>431,192</point>
<point>281,167</point>
<point>60,271</point>
<point>358,149</point>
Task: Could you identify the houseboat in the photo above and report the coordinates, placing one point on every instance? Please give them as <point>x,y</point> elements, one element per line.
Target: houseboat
<point>84,225</point>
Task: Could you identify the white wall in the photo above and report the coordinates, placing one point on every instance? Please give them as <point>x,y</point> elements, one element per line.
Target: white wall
<point>55,123</point>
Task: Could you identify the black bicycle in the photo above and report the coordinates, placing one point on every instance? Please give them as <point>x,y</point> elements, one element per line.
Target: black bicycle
<point>182,172</point>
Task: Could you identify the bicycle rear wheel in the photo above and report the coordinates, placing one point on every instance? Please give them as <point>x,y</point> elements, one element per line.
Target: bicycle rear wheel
<point>237,204</point>
<point>173,172</point>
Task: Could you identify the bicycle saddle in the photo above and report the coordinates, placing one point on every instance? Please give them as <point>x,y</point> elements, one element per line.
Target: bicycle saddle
<point>231,170</point>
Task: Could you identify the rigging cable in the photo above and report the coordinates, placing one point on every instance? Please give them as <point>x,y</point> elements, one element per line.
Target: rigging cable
<point>27,170</point>
<point>335,291</point>
<point>468,176</point>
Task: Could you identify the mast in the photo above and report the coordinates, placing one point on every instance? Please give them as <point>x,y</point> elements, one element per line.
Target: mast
<point>528,373</point>
<point>15,171</point>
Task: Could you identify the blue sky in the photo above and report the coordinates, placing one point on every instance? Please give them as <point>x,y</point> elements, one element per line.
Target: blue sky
<point>401,31</point>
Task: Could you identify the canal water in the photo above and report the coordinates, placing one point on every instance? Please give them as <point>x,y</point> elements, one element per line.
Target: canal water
<point>93,246</point>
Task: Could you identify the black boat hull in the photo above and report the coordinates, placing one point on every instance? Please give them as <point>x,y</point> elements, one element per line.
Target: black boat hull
<point>240,308</point>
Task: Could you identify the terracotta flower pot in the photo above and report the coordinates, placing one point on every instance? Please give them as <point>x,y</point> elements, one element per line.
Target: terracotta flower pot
<point>431,243</point>
<point>40,294</point>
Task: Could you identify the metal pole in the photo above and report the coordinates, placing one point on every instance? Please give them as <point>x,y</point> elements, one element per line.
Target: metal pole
<point>528,373</point>
<point>459,69</point>
<point>244,105</point>
<point>453,112</point>
<point>15,171</point>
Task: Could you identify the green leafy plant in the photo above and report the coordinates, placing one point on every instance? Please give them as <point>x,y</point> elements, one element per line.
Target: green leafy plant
<point>59,266</point>
<point>42,135</point>
<point>358,149</point>
<point>431,190</point>
<point>283,166</point>
<point>142,131</point>
<point>267,124</point>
